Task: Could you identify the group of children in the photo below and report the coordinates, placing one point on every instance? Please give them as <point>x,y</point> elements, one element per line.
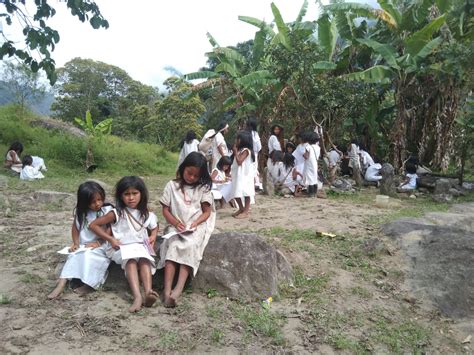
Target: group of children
<point>29,168</point>
<point>127,233</point>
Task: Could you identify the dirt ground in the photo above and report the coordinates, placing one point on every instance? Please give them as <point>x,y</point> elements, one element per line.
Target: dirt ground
<point>349,294</point>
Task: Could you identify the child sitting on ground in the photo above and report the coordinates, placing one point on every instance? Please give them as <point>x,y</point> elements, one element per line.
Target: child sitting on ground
<point>409,183</point>
<point>221,181</point>
<point>28,171</point>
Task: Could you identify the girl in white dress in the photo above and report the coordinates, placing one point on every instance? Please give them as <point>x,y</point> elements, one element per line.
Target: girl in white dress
<point>221,181</point>
<point>28,171</point>
<point>299,153</point>
<point>251,126</point>
<point>134,231</point>
<point>219,146</point>
<point>189,144</point>
<point>289,177</point>
<point>242,171</point>
<point>311,156</point>
<point>187,205</point>
<point>12,159</point>
<point>89,266</point>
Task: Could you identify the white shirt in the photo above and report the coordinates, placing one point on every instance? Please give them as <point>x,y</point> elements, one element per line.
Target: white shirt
<point>30,173</point>
<point>333,157</point>
<point>257,144</point>
<point>366,159</point>
<point>273,144</point>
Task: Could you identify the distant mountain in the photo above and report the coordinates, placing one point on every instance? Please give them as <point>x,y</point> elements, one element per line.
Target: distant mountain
<point>42,106</point>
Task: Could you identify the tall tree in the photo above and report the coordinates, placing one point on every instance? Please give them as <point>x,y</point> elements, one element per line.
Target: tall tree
<point>38,36</point>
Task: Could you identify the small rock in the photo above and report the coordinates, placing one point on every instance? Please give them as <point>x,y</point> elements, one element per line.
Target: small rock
<point>413,197</point>
<point>442,198</point>
<point>467,340</point>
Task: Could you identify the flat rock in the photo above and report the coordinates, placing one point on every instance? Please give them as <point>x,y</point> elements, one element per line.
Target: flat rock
<point>241,265</point>
<point>440,249</point>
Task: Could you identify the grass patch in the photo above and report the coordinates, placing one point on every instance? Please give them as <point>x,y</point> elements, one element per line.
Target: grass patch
<point>261,322</point>
<point>4,299</point>
<point>169,340</point>
<point>28,278</point>
<point>361,292</point>
<point>308,287</point>
<point>217,336</point>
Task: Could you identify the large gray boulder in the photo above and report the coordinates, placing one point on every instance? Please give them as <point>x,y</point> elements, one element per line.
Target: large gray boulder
<point>243,266</point>
<point>440,248</point>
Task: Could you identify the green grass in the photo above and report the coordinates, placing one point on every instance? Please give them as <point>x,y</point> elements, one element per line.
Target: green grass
<point>261,322</point>
<point>4,299</point>
<point>65,154</point>
<point>28,278</point>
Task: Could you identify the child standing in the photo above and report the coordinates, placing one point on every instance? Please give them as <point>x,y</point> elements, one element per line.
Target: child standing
<point>28,171</point>
<point>251,126</point>
<point>189,144</point>
<point>243,188</point>
<point>91,265</point>
<point>134,228</point>
<point>187,204</point>
<point>311,156</point>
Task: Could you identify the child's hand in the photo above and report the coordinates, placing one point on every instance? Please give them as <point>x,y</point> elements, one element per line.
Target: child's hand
<point>193,225</point>
<point>93,245</point>
<point>115,244</point>
<point>180,227</point>
<point>152,240</point>
<point>73,247</point>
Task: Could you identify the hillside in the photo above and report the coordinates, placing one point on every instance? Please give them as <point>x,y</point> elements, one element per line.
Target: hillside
<point>42,107</point>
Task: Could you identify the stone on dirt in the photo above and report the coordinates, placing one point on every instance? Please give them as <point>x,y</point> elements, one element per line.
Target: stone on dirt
<point>387,184</point>
<point>44,196</point>
<point>440,247</point>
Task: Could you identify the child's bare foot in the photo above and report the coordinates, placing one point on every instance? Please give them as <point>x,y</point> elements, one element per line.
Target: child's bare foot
<point>58,289</point>
<point>242,215</point>
<point>83,290</point>
<point>169,302</point>
<point>150,298</point>
<point>236,213</point>
<point>136,305</point>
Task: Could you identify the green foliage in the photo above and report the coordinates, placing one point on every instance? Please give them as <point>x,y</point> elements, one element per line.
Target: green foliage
<point>101,128</point>
<point>64,154</point>
<point>39,37</point>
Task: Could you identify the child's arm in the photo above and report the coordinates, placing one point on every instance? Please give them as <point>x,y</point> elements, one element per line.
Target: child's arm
<point>240,157</point>
<point>206,212</point>
<point>75,237</point>
<point>95,227</point>
<point>175,222</point>
<point>152,237</point>
<point>306,154</point>
<point>214,175</point>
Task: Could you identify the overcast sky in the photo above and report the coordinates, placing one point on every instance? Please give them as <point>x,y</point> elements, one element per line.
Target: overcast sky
<point>146,36</point>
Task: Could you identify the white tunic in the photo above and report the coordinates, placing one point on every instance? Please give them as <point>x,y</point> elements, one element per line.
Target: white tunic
<point>217,142</point>
<point>366,159</point>
<point>411,184</point>
<point>299,158</point>
<point>373,172</point>
<point>310,171</point>
<point>186,149</point>
<point>243,177</point>
<point>130,228</point>
<point>287,178</point>
<point>221,189</point>
<point>89,266</point>
<point>187,249</point>
<point>354,159</point>
<point>273,144</point>
<point>333,158</point>
<point>13,157</point>
<point>30,173</point>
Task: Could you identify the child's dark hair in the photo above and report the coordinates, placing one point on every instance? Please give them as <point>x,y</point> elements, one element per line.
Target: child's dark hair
<point>225,160</point>
<point>27,160</point>
<point>17,147</point>
<point>276,156</point>
<point>190,136</point>
<point>288,160</point>
<point>133,182</point>
<point>410,167</point>
<point>245,140</point>
<point>290,145</point>
<point>272,129</point>
<point>199,161</point>
<point>85,193</point>
<point>251,124</point>
<point>221,126</point>
<point>313,138</point>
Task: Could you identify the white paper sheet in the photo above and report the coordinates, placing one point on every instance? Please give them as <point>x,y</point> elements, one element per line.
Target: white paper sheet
<point>170,234</point>
<point>65,250</point>
<point>133,250</point>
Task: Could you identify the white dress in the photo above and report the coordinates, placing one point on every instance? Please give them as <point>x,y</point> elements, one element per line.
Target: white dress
<point>130,229</point>
<point>30,173</point>
<point>186,149</point>
<point>12,156</point>
<point>373,173</point>
<point>273,144</point>
<point>217,142</point>
<point>243,177</point>
<point>299,158</point>
<point>310,171</point>
<point>257,147</point>
<point>354,159</point>
<point>287,178</point>
<point>222,188</point>
<point>187,249</point>
<point>366,159</point>
<point>411,185</point>
<point>89,266</point>
<point>333,158</point>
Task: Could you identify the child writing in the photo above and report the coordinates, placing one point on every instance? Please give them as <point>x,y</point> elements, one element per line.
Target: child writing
<point>187,204</point>
<point>243,187</point>
<point>188,145</point>
<point>89,266</point>
<point>134,228</point>
<point>311,156</point>
<point>28,171</point>
<point>221,181</point>
<point>409,183</point>
<point>290,179</point>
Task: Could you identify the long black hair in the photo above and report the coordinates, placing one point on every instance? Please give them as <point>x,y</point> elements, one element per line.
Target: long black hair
<point>133,182</point>
<point>251,125</point>
<point>225,160</point>
<point>17,147</point>
<point>190,136</point>
<point>288,161</point>
<point>244,139</point>
<point>199,161</point>
<point>27,160</point>
<point>85,194</point>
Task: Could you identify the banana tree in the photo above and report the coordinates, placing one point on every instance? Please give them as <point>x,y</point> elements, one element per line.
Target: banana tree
<point>93,132</point>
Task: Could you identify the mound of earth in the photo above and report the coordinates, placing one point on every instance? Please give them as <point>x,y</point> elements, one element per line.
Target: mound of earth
<point>440,247</point>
